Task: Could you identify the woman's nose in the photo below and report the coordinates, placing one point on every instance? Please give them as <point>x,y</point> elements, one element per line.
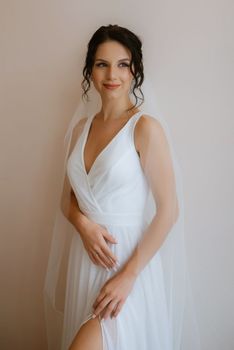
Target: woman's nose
<point>111,72</point>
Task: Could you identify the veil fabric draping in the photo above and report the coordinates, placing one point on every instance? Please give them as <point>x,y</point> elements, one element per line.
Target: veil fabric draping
<point>179,297</point>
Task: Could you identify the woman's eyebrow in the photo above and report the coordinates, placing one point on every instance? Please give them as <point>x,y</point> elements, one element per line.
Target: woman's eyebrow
<point>123,59</point>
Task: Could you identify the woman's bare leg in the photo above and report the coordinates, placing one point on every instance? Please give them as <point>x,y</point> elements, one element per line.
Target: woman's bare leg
<point>89,336</point>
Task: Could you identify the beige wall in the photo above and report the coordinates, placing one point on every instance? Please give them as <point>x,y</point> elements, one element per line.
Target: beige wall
<point>41,42</point>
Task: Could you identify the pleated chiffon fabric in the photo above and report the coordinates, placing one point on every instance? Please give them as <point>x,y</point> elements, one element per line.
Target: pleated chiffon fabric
<point>114,194</point>
<point>159,312</point>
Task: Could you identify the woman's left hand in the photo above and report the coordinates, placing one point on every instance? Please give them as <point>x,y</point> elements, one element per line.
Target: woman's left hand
<point>113,295</point>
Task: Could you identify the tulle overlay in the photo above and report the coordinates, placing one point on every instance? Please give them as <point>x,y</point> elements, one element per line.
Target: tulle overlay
<point>158,313</point>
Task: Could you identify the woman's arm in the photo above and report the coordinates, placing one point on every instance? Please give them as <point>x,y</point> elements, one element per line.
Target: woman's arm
<point>94,236</point>
<point>72,212</point>
<point>156,162</point>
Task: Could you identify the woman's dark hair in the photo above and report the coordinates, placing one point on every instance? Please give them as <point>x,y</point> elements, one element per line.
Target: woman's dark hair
<point>128,39</point>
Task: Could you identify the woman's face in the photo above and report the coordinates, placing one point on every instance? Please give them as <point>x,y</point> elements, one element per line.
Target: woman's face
<point>111,66</point>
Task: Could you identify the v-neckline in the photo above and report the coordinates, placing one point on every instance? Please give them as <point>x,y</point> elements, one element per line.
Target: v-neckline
<point>107,145</point>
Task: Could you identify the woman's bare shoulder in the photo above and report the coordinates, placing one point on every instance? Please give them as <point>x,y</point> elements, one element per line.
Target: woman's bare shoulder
<point>147,127</point>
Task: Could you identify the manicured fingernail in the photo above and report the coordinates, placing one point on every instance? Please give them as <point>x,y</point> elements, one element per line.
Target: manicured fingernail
<point>117,263</point>
<point>93,316</point>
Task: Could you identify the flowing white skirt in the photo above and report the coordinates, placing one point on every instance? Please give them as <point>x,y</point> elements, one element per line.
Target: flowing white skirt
<point>142,323</point>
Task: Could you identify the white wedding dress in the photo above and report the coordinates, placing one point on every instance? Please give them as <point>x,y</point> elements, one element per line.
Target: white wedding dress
<point>113,194</point>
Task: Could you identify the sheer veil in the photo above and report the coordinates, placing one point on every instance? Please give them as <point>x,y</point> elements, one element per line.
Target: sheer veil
<point>179,297</point>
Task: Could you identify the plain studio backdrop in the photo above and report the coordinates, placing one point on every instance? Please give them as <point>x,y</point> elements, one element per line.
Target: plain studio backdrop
<point>190,44</point>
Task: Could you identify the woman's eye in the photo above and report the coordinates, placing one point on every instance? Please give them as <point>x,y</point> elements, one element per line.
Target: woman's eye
<point>100,64</point>
<point>125,64</point>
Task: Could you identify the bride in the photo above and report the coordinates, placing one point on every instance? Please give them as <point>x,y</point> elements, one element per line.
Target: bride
<point>125,261</point>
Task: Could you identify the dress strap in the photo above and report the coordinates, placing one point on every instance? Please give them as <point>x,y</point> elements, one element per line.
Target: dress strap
<point>133,125</point>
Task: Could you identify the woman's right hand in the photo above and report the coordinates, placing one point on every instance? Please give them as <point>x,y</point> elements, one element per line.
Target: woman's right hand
<point>94,238</point>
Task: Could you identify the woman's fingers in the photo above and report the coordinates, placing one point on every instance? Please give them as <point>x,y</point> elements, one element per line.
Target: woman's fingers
<point>106,261</point>
<point>102,304</point>
<point>107,252</point>
<point>108,257</point>
<point>98,248</point>
<point>93,258</point>
<point>110,308</point>
<point>101,259</point>
<point>114,310</point>
<point>109,237</point>
<point>118,308</point>
<point>98,260</point>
